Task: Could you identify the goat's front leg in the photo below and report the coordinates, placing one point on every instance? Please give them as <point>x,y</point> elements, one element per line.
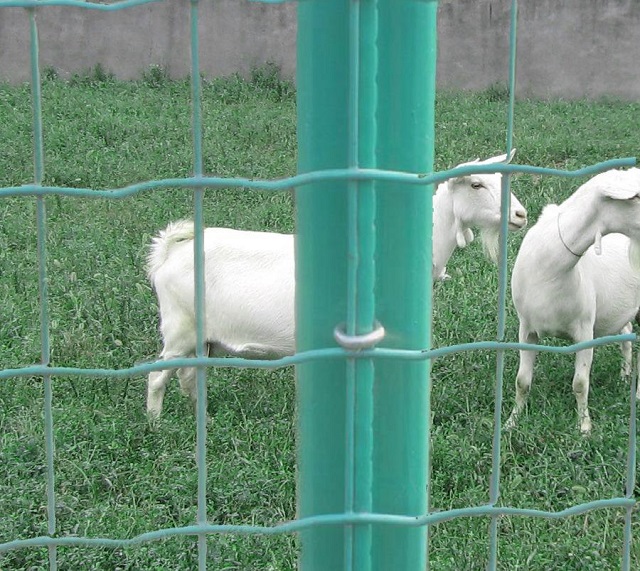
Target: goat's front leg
<point>581,388</point>
<point>627,354</point>
<point>638,376</point>
<point>627,348</point>
<point>524,376</point>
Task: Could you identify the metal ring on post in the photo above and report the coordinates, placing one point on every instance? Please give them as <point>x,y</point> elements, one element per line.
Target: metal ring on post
<point>358,342</point>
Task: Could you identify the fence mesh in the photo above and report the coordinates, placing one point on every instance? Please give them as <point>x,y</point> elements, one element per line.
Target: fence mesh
<point>197,183</point>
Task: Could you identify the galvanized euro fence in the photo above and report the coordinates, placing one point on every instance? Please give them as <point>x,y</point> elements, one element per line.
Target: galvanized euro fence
<point>366,152</point>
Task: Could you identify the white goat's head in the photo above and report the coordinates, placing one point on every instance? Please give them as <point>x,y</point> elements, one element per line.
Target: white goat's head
<point>476,204</point>
<point>620,211</point>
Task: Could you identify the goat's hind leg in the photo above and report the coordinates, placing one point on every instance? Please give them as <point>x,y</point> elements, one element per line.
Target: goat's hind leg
<point>158,381</point>
<point>188,384</point>
<point>156,386</point>
<point>178,342</point>
<point>254,351</point>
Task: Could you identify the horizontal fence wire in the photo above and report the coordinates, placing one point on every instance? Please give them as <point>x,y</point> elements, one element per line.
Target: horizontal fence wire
<point>332,353</point>
<point>301,180</point>
<point>197,184</point>
<point>325,520</point>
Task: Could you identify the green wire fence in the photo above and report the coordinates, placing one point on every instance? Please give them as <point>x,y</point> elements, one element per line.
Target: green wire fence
<point>364,165</point>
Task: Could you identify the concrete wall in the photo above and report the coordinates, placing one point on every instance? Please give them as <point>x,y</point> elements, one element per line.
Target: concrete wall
<point>235,35</point>
<point>566,48</point>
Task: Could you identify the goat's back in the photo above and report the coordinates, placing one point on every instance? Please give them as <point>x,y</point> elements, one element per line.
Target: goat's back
<point>249,291</point>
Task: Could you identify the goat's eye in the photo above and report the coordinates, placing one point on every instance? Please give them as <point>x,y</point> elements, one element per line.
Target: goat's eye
<point>476,185</point>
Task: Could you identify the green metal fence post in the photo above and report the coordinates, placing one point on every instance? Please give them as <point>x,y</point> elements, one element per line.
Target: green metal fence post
<point>406,78</point>
<point>386,101</point>
<point>321,270</point>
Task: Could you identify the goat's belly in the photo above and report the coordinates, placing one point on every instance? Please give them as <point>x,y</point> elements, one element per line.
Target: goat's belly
<point>616,307</point>
<point>616,284</point>
<point>251,330</point>
<point>565,321</point>
<point>612,324</point>
<point>553,326</point>
<point>547,317</point>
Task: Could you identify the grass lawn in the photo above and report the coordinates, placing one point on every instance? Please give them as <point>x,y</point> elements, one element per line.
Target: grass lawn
<point>117,478</point>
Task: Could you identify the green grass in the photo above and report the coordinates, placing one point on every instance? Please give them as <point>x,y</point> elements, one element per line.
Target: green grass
<point>117,478</point>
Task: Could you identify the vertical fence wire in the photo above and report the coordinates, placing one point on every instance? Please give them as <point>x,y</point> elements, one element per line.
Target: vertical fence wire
<point>351,544</point>
<point>631,469</point>
<point>494,484</point>
<point>41,223</point>
<point>199,285</point>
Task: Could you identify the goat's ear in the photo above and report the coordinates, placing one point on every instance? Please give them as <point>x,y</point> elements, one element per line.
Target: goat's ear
<point>499,158</point>
<point>621,191</point>
<point>492,160</point>
<point>458,180</point>
<point>618,184</point>
<point>469,163</point>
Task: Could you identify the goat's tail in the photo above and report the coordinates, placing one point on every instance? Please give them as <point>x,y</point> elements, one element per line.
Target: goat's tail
<point>161,244</point>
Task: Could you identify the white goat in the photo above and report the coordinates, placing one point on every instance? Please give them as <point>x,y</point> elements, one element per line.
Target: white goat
<point>250,278</point>
<point>577,276</point>
<point>469,201</point>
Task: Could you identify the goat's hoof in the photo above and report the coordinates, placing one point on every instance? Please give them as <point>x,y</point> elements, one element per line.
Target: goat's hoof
<point>509,425</point>
<point>207,418</point>
<point>512,420</point>
<point>585,429</point>
<point>153,419</point>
